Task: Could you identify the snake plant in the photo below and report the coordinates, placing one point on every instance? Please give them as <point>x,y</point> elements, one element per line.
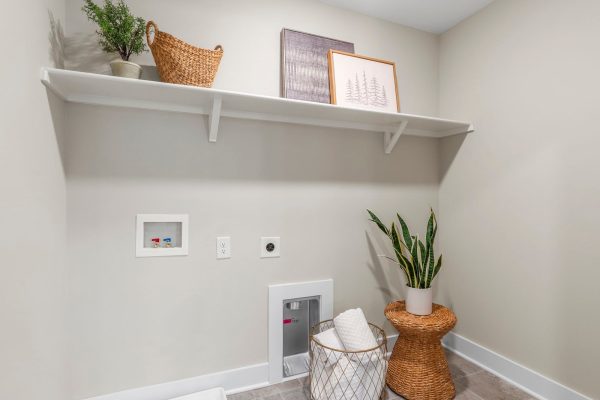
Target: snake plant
<point>415,258</point>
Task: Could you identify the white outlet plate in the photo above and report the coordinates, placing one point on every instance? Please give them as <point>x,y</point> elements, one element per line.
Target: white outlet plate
<point>223,247</point>
<point>270,247</point>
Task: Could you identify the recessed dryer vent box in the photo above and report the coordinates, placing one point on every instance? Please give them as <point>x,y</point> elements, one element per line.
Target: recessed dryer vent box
<point>299,316</point>
<point>160,235</point>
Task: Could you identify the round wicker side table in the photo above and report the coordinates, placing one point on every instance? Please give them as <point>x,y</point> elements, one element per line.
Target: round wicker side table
<point>418,369</point>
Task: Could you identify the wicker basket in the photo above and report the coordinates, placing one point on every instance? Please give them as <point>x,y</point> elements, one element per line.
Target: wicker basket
<point>418,369</point>
<point>179,62</point>
<point>337,374</point>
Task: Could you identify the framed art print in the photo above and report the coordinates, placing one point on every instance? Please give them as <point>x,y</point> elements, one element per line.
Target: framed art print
<point>304,70</point>
<point>362,82</point>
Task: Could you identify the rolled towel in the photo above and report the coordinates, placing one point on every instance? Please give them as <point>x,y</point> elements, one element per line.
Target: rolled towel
<point>320,378</point>
<point>353,330</point>
<point>330,338</point>
<point>346,382</point>
<point>353,380</point>
<point>374,384</point>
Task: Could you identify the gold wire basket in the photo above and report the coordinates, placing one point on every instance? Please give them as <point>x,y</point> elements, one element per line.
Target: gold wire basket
<point>337,374</point>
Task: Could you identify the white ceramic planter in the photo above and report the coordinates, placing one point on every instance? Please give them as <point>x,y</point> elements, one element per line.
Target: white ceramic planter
<point>126,69</point>
<point>419,301</point>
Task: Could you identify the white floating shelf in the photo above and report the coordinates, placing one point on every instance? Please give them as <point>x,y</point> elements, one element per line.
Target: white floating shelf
<point>86,88</point>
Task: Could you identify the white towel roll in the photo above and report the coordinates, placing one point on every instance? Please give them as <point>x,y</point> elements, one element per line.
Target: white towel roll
<point>330,338</point>
<point>353,330</point>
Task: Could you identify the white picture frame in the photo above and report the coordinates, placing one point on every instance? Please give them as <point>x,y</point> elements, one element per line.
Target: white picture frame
<point>363,82</point>
<point>180,248</point>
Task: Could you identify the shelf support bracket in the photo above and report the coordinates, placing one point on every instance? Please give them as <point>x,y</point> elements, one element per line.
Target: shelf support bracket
<point>390,139</point>
<point>213,119</point>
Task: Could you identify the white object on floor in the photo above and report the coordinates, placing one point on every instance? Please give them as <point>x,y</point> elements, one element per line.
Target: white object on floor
<point>330,338</point>
<point>211,394</point>
<point>354,331</point>
<point>295,364</point>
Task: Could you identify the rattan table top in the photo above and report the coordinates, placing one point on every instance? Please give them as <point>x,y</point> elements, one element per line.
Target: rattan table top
<point>439,322</point>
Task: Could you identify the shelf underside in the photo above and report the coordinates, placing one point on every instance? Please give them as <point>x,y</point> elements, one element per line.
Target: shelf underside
<point>95,89</point>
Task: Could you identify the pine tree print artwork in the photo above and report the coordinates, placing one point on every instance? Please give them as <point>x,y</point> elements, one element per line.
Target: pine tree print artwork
<point>374,97</point>
<point>357,95</point>
<point>349,90</point>
<point>365,91</point>
<point>383,97</point>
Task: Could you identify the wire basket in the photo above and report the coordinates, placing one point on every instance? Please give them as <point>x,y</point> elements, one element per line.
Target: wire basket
<point>180,62</point>
<point>337,374</point>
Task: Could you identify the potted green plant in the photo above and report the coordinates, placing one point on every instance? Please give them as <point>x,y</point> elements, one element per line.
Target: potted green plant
<point>119,32</point>
<point>416,259</point>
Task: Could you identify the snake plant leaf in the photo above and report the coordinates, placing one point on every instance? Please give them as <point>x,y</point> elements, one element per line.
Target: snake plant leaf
<point>414,249</point>
<point>429,234</point>
<point>380,224</point>
<point>423,265</point>
<point>405,232</point>
<point>432,257</point>
<point>437,267</point>
<point>413,275</point>
<point>430,226</point>
<point>414,253</point>
<point>395,239</point>
<point>405,266</point>
<point>430,268</point>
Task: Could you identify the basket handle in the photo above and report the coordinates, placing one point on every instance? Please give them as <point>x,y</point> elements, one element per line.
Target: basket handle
<point>151,24</point>
<point>219,47</point>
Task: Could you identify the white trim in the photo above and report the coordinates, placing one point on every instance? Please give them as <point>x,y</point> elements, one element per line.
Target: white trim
<point>279,293</point>
<point>391,342</point>
<point>257,376</point>
<point>516,374</point>
<point>105,90</point>
<point>233,381</point>
<point>141,251</point>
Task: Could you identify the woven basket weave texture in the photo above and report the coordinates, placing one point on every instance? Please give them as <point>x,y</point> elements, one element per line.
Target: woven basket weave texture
<point>180,62</point>
<point>418,369</point>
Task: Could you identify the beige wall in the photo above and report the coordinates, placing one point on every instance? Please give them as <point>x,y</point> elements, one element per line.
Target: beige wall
<point>137,322</point>
<point>519,200</point>
<point>32,210</point>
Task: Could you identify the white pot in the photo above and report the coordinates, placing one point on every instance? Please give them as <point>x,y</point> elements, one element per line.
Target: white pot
<point>419,301</point>
<point>126,69</point>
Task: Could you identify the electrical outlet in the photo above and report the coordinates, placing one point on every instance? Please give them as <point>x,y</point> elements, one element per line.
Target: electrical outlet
<point>223,247</point>
<point>269,247</point>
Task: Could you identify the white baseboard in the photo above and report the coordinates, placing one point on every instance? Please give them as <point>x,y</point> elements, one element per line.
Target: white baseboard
<point>391,341</point>
<point>516,374</point>
<point>233,381</point>
<point>257,376</point>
